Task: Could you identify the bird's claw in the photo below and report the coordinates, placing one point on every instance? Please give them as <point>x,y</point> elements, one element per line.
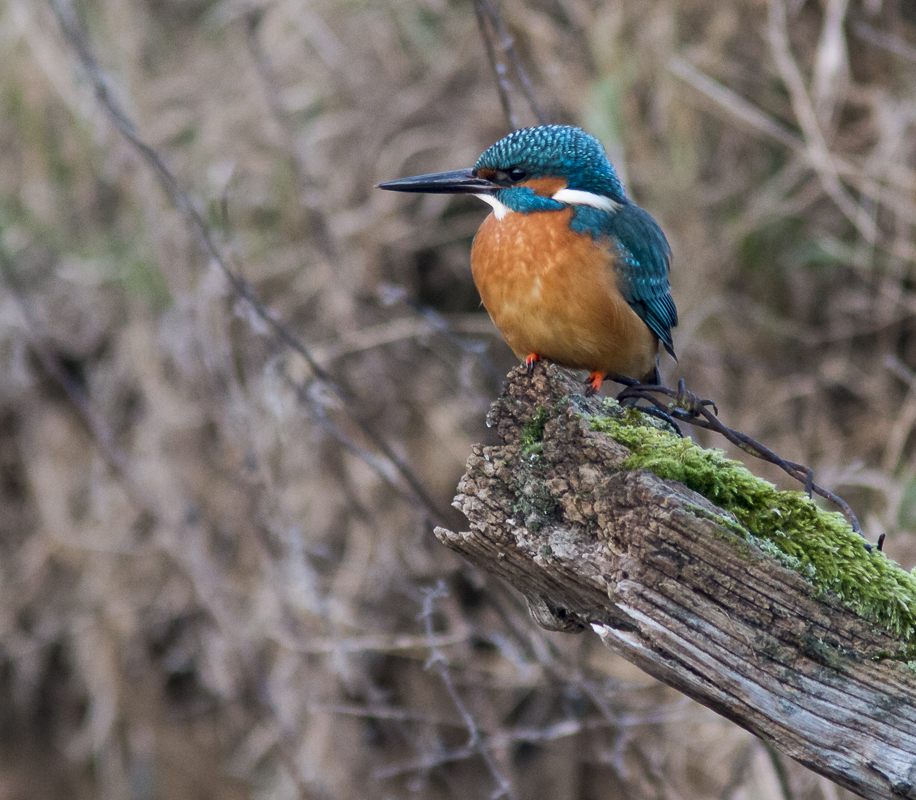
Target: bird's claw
<point>530,361</point>
<point>691,403</point>
<point>685,404</point>
<point>593,383</point>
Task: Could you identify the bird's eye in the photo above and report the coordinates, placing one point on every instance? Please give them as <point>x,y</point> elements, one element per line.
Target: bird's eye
<point>511,175</point>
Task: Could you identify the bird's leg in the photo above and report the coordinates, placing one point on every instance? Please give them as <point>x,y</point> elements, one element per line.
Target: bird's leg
<point>530,362</point>
<point>686,403</point>
<point>622,379</point>
<point>593,383</point>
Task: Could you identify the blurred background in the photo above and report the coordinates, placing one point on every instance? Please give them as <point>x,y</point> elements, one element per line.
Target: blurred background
<point>217,572</point>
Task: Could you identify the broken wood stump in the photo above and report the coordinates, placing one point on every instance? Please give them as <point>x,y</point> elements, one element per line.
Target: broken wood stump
<point>752,601</point>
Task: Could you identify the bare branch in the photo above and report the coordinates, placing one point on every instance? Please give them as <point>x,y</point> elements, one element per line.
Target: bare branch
<point>438,662</point>
<point>184,203</point>
<point>887,41</point>
<point>819,153</point>
<point>486,11</point>
<point>499,70</point>
<point>687,407</point>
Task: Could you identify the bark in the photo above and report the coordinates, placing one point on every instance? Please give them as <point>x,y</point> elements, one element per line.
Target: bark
<point>639,561</point>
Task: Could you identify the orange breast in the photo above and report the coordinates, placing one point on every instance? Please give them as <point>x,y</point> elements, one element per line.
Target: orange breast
<point>553,292</point>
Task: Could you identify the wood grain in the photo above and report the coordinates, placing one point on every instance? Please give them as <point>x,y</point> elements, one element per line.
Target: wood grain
<point>652,568</point>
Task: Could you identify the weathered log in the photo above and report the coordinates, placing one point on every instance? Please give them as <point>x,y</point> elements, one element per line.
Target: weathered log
<point>678,586</point>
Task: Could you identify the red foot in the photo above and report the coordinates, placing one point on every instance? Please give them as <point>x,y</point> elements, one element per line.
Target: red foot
<point>593,383</point>
<point>531,361</point>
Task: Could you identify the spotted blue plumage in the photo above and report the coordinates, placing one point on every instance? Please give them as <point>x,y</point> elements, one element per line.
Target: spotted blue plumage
<point>643,256</point>
<point>644,259</point>
<point>556,150</point>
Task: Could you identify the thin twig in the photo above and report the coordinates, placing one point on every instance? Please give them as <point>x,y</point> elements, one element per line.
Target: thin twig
<point>735,103</point>
<point>364,644</point>
<point>484,9</point>
<point>101,432</point>
<point>438,662</point>
<point>687,407</point>
<point>183,201</point>
<point>318,228</point>
<point>887,41</point>
<point>499,70</point>
<point>896,185</point>
<point>437,322</point>
<point>819,153</point>
<point>382,467</point>
<point>505,39</point>
<point>831,63</point>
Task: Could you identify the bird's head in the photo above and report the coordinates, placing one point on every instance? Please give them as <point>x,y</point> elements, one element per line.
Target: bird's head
<point>532,169</point>
<point>562,154</point>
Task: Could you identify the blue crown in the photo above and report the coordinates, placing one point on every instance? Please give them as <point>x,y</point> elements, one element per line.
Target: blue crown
<point>556,151</point>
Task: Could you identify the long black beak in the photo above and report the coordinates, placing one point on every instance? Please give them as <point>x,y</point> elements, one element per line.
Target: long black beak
<point>462,181</point>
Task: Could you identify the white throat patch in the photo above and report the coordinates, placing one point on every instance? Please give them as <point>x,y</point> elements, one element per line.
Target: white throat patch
<point>577,197</point>
<point>499,209</point>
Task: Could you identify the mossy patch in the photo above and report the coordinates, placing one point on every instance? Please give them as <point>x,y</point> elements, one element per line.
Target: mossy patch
<point>532,436</point>
<point>819,545</point>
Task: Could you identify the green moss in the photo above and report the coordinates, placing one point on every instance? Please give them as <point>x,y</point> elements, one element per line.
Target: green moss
<point>819,545</point>
<point>532,436</point>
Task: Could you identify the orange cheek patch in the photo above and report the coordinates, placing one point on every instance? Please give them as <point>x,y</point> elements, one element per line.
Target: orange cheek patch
<point>545,187</point>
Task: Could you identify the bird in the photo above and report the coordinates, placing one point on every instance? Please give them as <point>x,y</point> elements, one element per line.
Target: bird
<point>569,268</point>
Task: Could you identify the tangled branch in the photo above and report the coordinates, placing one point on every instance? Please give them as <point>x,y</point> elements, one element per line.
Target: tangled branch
<point>491,26</point>
<point>686,407</point>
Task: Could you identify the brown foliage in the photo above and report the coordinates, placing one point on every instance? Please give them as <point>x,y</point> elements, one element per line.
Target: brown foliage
<point>214,580</point>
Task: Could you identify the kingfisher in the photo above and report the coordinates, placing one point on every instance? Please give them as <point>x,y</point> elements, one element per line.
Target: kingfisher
<point>568,267</point>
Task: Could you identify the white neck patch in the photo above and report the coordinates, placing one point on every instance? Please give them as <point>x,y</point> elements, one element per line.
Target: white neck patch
<point>577,197</point>
<point>499,209</point>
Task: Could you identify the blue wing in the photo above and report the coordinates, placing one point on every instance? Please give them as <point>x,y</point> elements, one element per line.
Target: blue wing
<point>642,265</point>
